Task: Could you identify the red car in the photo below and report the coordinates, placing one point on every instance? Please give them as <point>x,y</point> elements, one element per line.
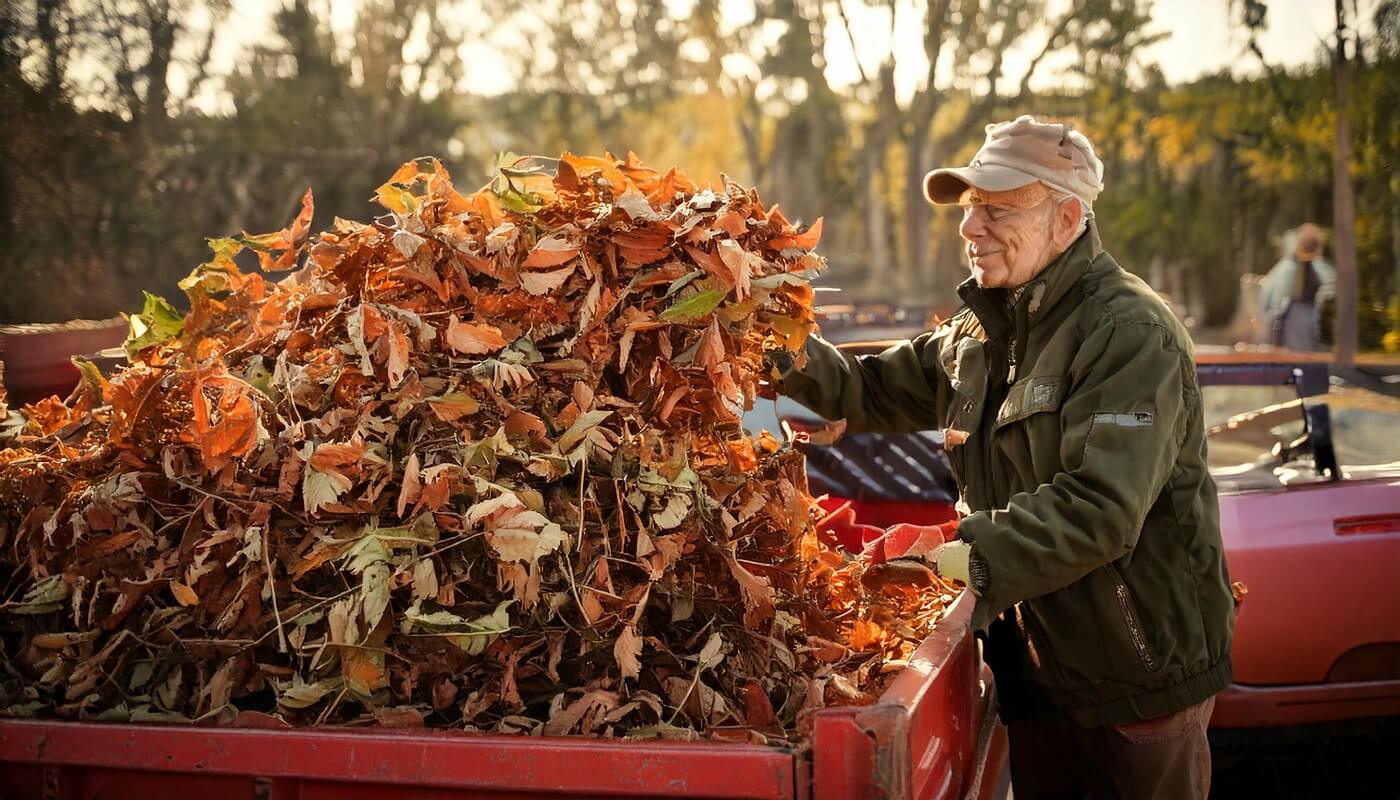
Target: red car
<point>1309,479</point>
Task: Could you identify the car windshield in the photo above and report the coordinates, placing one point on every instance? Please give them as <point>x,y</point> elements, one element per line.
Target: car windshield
<point>1248,427</point>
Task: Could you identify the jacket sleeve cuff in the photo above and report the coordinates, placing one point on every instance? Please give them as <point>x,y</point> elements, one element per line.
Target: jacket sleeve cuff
<point>979,574</point>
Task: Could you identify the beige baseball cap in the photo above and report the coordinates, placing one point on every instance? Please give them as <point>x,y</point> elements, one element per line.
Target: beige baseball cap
<point>1021,152</point>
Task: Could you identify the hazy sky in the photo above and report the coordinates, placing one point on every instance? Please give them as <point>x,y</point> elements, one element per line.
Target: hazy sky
<point>1202,39</point>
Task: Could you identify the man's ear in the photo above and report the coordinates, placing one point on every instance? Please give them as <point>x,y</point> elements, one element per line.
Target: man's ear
<point>1067,217</point>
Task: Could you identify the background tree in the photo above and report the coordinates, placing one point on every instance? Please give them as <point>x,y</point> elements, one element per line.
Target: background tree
<point>124,141</point>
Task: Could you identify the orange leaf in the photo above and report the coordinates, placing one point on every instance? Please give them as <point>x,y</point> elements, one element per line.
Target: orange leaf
<point>758,709</point>
<point>295,235</point>
<point>741,455</point>
<point>550,251</point>
<point>473,339</point>
<point>525,423</point>
<point>412,486</point>
<point>396,358</point>
<point>436,487</point>
<point>711,264</point>
<point>48,416</point>
<point>672,399</point>
<point>103,546</point>
<point>184,595</point>
<point>732,223</point>
<point>757,592</point>
<point>454,406</point>
<point>127,393</point>
<point>590,607</point>
<point>235,433</point>
<point>572,169</point>
<point>710,352</point>
<point>335,457</point>
<point>362,674</point>
<point>375,324</point>
<point>806,240</point>
<point>740,263</point>
<point>866,634</point>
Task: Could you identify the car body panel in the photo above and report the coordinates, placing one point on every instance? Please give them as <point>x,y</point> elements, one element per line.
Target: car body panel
<point>1306,583</point>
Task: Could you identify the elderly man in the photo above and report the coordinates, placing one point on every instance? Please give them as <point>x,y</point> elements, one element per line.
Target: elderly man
<point>1090,533</point>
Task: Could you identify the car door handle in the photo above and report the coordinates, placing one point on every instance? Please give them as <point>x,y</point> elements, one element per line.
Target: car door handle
<point>1366,523</point>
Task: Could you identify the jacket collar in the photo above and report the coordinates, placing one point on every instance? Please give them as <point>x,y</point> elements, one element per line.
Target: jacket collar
<point>992,307</point>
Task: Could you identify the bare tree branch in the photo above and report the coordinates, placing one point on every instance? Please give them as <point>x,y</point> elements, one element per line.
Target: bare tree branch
<point>851,37</point>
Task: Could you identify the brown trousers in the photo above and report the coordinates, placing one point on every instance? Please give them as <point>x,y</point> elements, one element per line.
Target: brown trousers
<point>1166,758</point>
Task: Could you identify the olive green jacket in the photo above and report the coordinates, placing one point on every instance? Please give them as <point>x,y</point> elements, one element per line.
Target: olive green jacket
<point>1084,478</point>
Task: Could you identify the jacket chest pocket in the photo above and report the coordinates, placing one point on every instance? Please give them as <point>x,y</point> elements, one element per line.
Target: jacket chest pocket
<point>966,365</point>
<point>1027,427</point>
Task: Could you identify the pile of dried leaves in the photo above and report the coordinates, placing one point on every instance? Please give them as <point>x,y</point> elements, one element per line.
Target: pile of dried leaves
<point>478,464</point>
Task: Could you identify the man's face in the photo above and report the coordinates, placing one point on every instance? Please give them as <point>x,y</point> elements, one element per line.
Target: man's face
<point>1011,236</point>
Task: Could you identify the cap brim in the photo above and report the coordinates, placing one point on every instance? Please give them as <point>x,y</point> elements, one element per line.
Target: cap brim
<point>947,185</point>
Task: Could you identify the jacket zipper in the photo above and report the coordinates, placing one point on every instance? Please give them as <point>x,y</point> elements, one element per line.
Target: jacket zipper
<point>999,326</point>
<point>1125,604</point>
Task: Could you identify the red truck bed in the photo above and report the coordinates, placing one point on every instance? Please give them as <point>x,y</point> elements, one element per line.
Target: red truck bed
<point>932,735</point>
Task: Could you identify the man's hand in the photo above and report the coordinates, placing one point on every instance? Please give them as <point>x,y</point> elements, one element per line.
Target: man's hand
<point>779,364</point>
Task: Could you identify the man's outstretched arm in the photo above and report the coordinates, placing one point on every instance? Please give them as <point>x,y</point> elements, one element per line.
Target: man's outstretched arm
<point>895,391</point>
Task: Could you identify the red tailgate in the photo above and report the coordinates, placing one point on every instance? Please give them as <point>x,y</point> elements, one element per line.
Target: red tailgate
<point>934,734</point>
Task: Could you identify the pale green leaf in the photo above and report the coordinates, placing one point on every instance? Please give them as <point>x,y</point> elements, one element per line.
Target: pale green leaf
<point>783,278</point>
<point>301,694</point>
<point>374,593</point>
<point>425,582</point>
<point>158,322</point>
<point>473,636</point>
<point>321,488</point>
<point>697,305</point>
<point>45,596</point>
<point>682,282</point>
<point>365,552</point>
<point>677,509</point>
<point>585,422</point>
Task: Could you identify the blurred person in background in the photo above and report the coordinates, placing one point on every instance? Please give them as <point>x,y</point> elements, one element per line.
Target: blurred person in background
<point>1295,289</point>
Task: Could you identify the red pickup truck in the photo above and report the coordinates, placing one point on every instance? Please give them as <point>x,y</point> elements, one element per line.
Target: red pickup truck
<point>933,734</point>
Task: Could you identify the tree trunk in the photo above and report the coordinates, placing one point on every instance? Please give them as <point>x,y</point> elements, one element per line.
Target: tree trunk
<point>46,25</point>
<point>1395,226</point>
<point>163,29</point>
<point>877,246</point>
<point>916,211</point>
<point>1344,206</point>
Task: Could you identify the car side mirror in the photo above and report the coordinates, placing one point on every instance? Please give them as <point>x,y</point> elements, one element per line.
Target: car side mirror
<point>1315,440</point>
<point>1318,418</point>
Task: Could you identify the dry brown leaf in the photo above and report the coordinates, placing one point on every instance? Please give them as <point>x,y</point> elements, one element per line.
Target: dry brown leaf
<point>627,651</point>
